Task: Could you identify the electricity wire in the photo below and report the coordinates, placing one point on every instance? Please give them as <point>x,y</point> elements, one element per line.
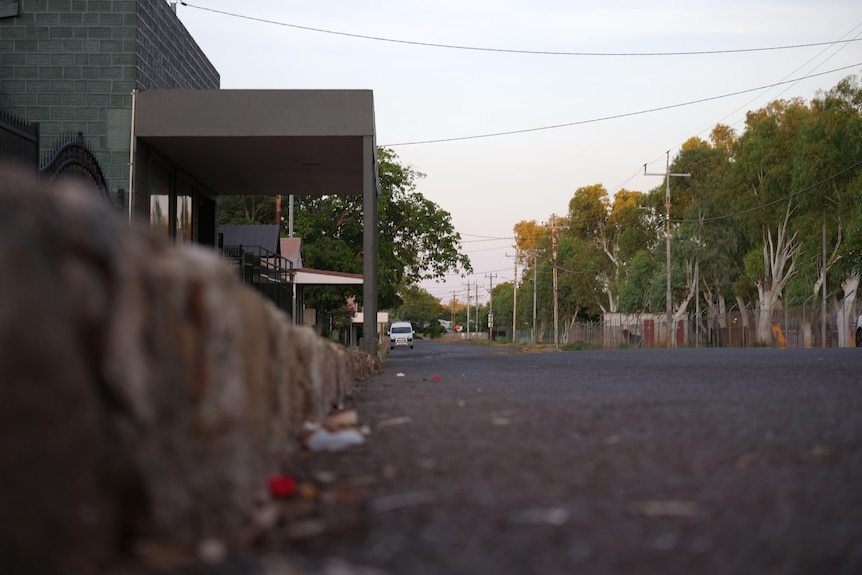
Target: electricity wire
<point>510,50</point>
<point>749,102</point>
<point>617,116</point>
<point>771,203</point>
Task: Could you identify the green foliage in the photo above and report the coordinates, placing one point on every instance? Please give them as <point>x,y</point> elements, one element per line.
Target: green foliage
<point>416,239</point>
<point>635,293</point>
<point>421,309</point>
<point>434,329</point>
<point>246,209</point>
<point>580,345</point>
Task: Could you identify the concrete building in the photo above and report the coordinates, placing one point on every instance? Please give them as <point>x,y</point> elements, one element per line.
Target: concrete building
<point>127,78</point>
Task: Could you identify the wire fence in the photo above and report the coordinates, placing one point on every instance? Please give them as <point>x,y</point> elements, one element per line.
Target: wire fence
<point>804,326</point>
<point>793,327</point>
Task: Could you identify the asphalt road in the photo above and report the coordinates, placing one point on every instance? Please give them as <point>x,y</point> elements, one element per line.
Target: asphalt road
<point>695,461</point>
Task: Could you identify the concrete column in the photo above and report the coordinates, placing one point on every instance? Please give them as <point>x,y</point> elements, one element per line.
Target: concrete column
<point>369,245</point>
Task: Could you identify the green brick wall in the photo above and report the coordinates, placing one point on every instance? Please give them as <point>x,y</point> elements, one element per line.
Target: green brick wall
<point>70,65</point>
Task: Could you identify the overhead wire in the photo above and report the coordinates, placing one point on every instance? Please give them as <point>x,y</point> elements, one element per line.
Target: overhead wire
<point>785,81</point>
<point>770,203</point>
<point>616,116</point>
<point>507,50</point>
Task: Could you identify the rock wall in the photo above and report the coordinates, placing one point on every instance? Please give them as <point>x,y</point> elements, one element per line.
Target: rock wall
<point>145,393</point>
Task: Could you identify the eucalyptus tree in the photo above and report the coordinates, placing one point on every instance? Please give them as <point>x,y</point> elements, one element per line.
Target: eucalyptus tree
<point>588,214</point>
<point>762,185</point>
<point>711,239</point>
<point>827,166</point>
<point>533,248</point>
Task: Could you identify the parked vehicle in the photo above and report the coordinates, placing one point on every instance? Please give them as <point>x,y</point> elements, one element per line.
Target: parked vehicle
<point>859,332</point>
<point>401,334</point>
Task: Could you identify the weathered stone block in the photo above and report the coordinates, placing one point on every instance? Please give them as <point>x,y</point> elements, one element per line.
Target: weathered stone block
<point>145,393</point>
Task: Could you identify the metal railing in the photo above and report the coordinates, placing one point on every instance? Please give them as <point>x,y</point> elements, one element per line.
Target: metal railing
<point>265,271</point>
<point>19,140</point>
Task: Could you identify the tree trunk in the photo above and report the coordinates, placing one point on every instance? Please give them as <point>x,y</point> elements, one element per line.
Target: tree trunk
<point>764,316</point>
<point>778,266</point>
<point>846,313</point>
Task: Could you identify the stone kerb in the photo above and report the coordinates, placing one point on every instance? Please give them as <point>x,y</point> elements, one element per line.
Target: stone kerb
<point>145,393</point>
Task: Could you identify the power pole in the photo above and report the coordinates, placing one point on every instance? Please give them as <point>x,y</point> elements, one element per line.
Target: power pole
<point>554,245</point>
<point>491,306</point>
<point>515,302</point>
<point>671,337</point>
<point>453,308</point>
<point>514,297</point>
<point>535,253</point>
<point>468,310</point>
<point>477,307</point>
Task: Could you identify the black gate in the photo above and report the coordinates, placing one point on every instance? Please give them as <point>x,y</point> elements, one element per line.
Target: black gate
<point>72,157</point>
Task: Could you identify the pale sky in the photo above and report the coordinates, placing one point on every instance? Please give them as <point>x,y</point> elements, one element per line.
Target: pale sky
<point>488,184</point>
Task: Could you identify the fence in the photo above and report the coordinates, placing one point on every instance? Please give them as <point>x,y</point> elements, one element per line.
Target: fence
<point>794,327</point>
<point>71,155</point>
<point>19,140</point>
<point>267,272</point>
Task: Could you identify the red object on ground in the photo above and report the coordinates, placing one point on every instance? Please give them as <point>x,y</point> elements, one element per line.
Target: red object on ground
<point>437,378</point>
<point>282,485</point>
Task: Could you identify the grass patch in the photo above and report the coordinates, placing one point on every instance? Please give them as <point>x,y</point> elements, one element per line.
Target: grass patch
<point>580,346</point>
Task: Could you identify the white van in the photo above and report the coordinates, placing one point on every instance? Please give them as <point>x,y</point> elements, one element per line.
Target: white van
<point>401,334</point>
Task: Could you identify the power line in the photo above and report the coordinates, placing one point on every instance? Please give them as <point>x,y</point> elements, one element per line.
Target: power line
<point>771,203</point>
<point>487,237</point>
<point>617,116</point>
<point>486,240</point>
<point>510,50</point>
<point>809,61</point>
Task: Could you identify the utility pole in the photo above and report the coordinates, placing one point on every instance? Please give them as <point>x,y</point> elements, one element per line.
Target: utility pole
<point>671,337</point>
<point>468,310</point>
<point>453,308</point>
<point>515,302</point>
<point>554,245</point>
<point>535,266</point>
<point>477,308</point>
<point>491,306</point>
<point>514,297</point>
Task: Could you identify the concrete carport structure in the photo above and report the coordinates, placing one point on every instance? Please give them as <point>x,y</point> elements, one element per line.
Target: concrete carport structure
<point>258,142</point>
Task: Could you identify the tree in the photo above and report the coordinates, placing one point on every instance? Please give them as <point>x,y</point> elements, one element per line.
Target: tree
<point>246,209</point>
<point>589,212</point>
<point>638,292</point>
<point>416,240</point>
<point>420,308</point>
<point>828,148</point>
<point>763,183</point>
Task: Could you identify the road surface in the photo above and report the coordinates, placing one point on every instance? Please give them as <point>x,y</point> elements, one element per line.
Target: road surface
<point>691,461</point>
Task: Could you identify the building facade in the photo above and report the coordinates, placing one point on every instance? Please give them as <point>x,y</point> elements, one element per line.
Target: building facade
<point>72,67</point>
<point>125,80</point>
